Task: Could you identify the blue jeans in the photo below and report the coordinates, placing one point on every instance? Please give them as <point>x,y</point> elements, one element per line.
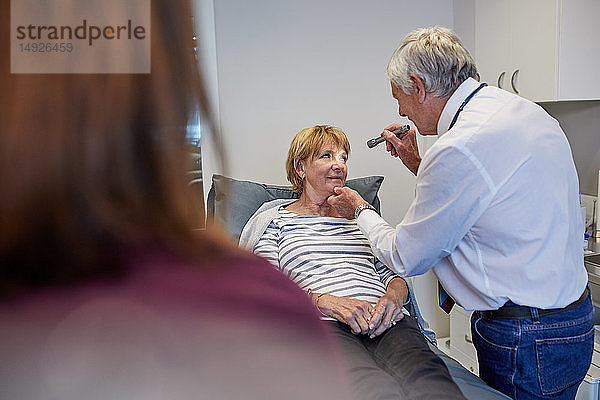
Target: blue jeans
<point>536,358</point>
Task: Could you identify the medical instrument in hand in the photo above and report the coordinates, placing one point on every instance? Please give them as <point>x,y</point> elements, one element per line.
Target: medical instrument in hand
<point>400,131</point>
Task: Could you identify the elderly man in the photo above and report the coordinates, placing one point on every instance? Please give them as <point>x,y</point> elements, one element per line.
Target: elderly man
<point>496,215</point>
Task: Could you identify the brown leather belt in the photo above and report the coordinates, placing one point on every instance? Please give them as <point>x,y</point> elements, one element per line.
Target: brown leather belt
<point>524,312</point>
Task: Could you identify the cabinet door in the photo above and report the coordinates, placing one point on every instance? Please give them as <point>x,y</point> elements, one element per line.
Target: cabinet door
<point>492,41</point>
<point>534,49</point>
<point>516,42</point>
<point>579,50</point>
<point>460,331</point>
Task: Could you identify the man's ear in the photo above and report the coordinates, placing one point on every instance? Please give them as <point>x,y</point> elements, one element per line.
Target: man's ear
<point>418,87</point>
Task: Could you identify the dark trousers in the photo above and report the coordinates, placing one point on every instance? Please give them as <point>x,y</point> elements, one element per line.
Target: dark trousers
<point>395,365</point>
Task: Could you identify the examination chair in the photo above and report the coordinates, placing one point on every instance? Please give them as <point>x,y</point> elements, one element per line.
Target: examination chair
<point>232,202</point>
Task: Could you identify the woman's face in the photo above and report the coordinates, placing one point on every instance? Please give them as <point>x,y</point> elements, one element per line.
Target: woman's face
<point>325,170</point>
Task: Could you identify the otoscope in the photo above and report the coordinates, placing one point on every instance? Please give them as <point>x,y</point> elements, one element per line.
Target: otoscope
<point>375,141</point>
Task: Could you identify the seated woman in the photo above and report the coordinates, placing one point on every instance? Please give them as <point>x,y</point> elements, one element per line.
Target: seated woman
<point>385,352</point>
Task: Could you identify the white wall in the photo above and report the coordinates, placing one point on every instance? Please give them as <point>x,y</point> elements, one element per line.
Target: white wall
<point>282,66</point>
<point>205,32</point>
<point>285,65</point>
<point>464,23</point>
<point>581,122</point>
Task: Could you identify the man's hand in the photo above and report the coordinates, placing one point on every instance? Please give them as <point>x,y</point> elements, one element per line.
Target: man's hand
<point>344,201</point>
<point>405,147</point>
<point>355,313</point>
<point>388,309</point>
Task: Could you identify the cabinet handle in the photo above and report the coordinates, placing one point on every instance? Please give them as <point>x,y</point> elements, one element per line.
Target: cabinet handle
<point>501,79</point>
<point>512,81</point>
<point>468,339</point>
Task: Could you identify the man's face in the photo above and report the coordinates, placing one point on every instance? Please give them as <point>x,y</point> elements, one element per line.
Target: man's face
<point>410,106</point>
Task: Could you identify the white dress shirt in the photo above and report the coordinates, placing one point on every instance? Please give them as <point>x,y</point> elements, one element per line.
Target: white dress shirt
<point>496,212</point>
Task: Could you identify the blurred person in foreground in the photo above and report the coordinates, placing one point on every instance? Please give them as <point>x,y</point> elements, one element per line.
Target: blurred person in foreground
<point>107,290</point>
<point>496,215</point>
<point>360,299</point>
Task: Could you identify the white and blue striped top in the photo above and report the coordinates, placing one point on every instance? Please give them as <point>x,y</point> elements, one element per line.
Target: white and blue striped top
<point>325,254</point>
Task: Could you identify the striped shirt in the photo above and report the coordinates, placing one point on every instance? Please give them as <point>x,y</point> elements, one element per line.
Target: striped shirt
<point>325,254</point>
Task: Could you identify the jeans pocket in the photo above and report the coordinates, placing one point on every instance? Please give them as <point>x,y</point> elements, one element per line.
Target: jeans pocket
<point>496,354</point>
<point>563,362</point>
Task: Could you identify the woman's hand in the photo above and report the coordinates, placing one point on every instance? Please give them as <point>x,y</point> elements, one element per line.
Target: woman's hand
<point>354,313</point>
<point>405,147</point>
<point>388,309</point>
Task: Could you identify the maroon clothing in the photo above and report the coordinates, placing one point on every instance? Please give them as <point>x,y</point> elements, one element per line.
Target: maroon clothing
<point>170,329</point>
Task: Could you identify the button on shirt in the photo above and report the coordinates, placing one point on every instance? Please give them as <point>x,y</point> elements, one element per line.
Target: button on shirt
<point>496,211</point>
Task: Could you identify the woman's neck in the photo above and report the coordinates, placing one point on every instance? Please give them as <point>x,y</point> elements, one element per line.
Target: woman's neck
<point>311,205</point>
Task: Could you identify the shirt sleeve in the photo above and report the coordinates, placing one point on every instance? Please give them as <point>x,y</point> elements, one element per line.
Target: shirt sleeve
<point>453,190</point>
<point>267,246</point>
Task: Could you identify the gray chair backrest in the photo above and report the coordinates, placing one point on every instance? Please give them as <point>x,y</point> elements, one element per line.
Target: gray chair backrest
<point>233,201</point>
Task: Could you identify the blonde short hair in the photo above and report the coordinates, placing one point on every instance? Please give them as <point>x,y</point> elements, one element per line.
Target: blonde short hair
<point>306,143</point>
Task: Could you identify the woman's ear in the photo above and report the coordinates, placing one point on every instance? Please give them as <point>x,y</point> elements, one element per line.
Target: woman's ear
<point>299,167</point>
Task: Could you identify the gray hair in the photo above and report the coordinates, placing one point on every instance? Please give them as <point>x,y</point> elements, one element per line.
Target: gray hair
<point>437,56</point>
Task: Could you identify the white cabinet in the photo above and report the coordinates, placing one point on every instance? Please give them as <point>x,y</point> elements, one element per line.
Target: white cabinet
<point>493,42</point>
<point>461,343</point>
<point>544,50</point>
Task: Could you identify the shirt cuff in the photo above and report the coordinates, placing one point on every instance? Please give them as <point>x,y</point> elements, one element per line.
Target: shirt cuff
<point>367,220</point>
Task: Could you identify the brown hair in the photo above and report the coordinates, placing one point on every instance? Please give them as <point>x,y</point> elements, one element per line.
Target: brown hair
<point>306,143</point>
<point>92,165</point>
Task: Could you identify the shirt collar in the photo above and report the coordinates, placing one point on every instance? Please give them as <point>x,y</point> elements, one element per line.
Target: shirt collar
<point>453,103</point>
